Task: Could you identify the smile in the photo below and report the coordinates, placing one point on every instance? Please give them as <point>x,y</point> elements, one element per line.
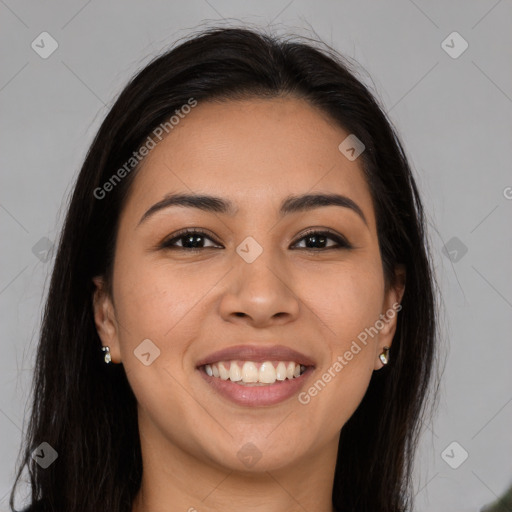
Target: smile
<point>253,373</point>
<point>256,375</point>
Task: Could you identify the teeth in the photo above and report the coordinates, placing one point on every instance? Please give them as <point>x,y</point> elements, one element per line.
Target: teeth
<point>268,373</point>
<point>248,372</point>
<point>290,370</point>
<point>281,371</point>
<point>223,372</point>
<point>234,372</point>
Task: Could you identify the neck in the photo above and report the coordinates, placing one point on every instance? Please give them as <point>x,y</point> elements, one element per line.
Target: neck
<point>175,480</point>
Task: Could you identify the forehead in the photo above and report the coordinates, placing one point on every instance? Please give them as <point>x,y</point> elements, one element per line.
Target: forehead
<point>254,152</point>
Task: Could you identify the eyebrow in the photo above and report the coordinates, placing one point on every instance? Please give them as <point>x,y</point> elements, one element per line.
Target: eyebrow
<point>292,204</point>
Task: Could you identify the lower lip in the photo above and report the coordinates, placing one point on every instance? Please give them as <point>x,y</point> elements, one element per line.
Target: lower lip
<point>254,396</point>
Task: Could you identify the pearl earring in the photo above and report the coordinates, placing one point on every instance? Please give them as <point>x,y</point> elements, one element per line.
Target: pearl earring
<point>108,358</point>
<point>384,356</point>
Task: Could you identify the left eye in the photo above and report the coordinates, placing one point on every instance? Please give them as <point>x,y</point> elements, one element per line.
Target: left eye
<point>321,237</point>
<point>194,240</point>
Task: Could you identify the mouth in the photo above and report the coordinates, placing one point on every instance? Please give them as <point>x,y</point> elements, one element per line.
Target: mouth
<point>250,373</point>
<point>256,376</point>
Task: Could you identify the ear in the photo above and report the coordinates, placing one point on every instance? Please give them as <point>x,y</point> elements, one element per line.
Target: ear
<point>390,310</point>
<point>105,319</point>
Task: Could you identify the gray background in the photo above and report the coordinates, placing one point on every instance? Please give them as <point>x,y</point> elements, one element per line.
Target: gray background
<point>453,115</point>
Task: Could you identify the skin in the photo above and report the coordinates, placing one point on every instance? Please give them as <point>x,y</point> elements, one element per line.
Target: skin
<point>254,152</point>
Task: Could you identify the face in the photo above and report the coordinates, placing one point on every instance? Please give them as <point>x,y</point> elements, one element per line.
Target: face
<point>291,292</point>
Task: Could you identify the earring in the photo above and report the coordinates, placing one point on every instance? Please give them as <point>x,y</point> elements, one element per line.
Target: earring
<point>108,358</point>
<point>384,356</point>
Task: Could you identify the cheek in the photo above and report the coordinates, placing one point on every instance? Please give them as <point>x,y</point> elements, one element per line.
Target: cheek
<point>160,300</point>
<point>164,302</point>
<point>346,299</point>
<point>149,303</point>
<point>347,304</point>
<point>157,303</point>
<point>153,299</point>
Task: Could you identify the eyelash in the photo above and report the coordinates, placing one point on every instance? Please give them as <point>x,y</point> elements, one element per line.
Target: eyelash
<point>341,241</point>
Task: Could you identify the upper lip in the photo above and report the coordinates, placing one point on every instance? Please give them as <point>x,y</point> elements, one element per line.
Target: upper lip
<point>257,354</point>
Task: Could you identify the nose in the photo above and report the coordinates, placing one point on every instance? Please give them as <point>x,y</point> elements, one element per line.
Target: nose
<point>260,293</point>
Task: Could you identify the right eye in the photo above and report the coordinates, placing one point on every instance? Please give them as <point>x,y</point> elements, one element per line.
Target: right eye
<point>192,240</point>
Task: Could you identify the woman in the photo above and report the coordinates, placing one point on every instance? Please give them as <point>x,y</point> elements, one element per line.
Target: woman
<point>242,312</point>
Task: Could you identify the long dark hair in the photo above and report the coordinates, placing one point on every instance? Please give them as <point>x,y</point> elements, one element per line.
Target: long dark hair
<point>86,410</point>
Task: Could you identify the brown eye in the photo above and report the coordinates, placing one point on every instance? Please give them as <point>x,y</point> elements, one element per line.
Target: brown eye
<point>191,240</point>
<point>195,240</point>
<point>320,238</point>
